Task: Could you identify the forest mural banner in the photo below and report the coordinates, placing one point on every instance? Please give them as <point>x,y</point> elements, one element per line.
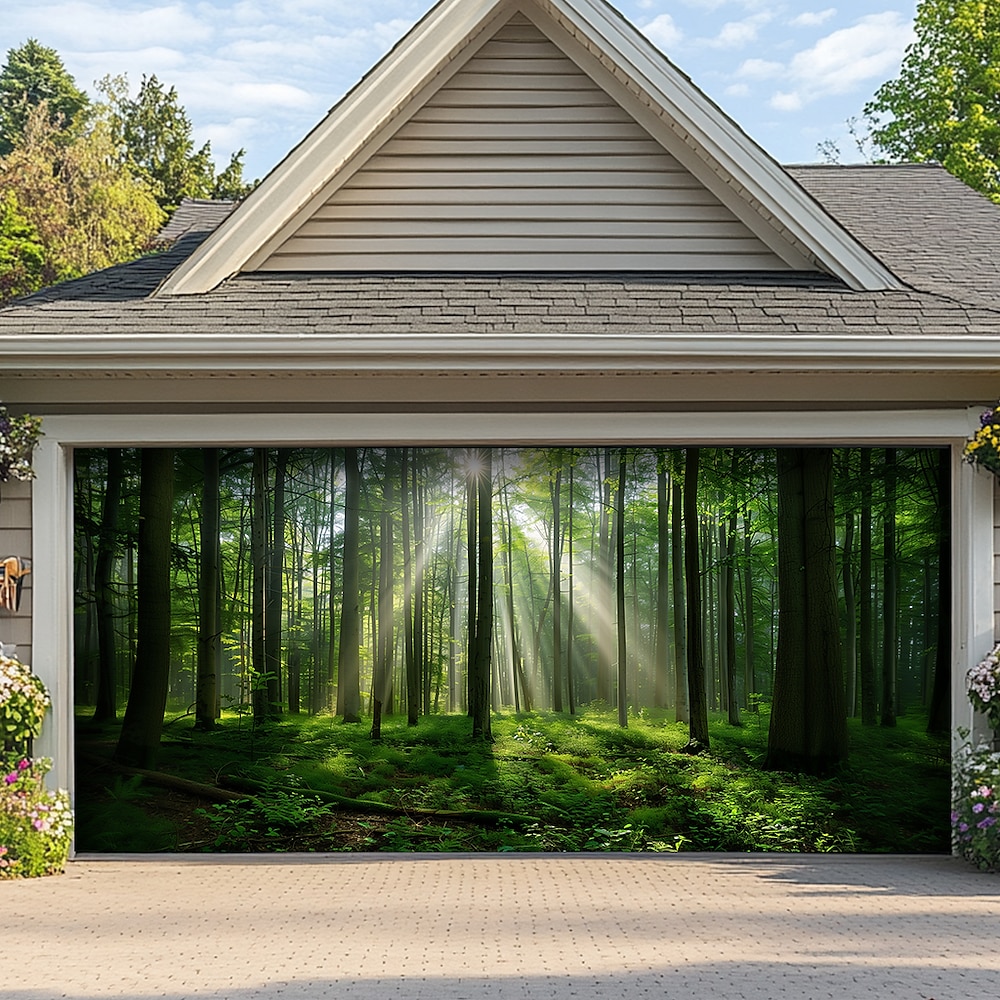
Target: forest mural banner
<point>584,648</point>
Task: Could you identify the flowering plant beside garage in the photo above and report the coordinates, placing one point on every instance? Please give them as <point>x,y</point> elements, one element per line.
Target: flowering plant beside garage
<point>984,686</point>
<point>983,448</point>
<point>18,438</point>
<point>36,825</point>
<point>975,816</point>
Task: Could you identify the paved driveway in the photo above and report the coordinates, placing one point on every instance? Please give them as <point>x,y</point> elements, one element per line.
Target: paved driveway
<point>457,926</point>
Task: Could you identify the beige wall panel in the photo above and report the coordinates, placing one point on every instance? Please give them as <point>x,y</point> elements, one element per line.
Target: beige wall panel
<point>521,162</point>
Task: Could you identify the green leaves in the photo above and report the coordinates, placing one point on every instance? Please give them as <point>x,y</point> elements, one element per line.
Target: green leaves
<point>945,104</point>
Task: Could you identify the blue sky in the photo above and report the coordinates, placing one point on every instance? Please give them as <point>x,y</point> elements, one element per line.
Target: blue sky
<point>259,74</point>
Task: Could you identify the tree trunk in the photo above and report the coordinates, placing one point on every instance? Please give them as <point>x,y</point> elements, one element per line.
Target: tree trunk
<point>851,616</point>
<point>382,680</point>
<point>808,730</point>
<point>480,687</point>
<point>272,605</point>
<point>749,672</point>
<point>729,588</point>
<point>939,712</point>
<point>349,663</point>
<point>697,701</point>
<point>620,589</point>
<point>139,741</point>
<point>570,623</point>
<point>209,647</point>
<point>106,708</point>
<point>890,613</point>
<point>604,640</point>
<point>471,550</point>
<point>258,557</point>
<point>677,579</point>
<point>661,657</point>
<point>555,582</point>
<point>867,662</point>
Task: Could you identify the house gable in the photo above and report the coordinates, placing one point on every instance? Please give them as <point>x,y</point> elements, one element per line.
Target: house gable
<point>520,161</point>
<point>536,135</point>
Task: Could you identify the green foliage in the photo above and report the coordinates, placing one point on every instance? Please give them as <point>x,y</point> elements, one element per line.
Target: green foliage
<point>155,136</point>
<point>119,820</point>
<point>22,253</point>
<point>267,823</point>
<point>23,704</point>
<point>74,204</point>
<point>34,76</point>
<point>945,104</point>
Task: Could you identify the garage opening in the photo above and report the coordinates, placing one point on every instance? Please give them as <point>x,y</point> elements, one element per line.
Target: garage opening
<point>521,648</point>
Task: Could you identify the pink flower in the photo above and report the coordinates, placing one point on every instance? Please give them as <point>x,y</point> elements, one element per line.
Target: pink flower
<point>23,765</point>
<point>11,778</point>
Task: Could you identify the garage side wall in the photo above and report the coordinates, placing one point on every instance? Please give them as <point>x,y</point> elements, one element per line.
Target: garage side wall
<point>15,540</point>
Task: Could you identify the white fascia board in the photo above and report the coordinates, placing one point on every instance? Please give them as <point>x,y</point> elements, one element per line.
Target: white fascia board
<point>332,143</point>
<point>724,141</point>
<point>191,430</point>
<point>436,352</point>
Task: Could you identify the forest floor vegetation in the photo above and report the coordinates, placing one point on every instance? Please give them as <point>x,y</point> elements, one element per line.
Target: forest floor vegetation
<point>548,782</point>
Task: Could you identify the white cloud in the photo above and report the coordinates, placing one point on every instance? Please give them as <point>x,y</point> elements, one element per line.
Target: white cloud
<point>662,32</point>
<point>844,60</point>
<point>737,90</point>
<point>813,18</point>
<point>88,25</point>
<point>738,34</point>
<point>760,69</point>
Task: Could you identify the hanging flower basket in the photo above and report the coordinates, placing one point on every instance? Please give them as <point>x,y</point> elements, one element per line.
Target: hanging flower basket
<point>983,448</point>
<point>18,439</point>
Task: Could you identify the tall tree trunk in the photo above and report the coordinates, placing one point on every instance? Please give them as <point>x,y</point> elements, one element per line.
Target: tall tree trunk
<point>808,730</point>
<point>272,604</point>
<point>604,640</point>
<point>939,712</point>
<point>749,672</point>
<point>419,559</point>
<point>209,647</point>
<point>890,611</point>
<point>679,608</point>
<point>349,663</point>
<point>328,702</point>
<point>570,624</point>
<point>555,582</point>
<point>409,657</point>
<point>481,686</point>
<point>383,662</point>
<point>139,740</point>
<point>106,708</point>
<point>851,616</point>
<point>869,704</point>
<point>258,558</point>
<point>515,644</point>
<point>620,589</point>
<point>729,587</point>
<point>697,701</point>
<point>661,657</point>
<point>471,552</point>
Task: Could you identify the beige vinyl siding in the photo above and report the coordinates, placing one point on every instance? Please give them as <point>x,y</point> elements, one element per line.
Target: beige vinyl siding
<point>15,540</point>
<point>520,161</point>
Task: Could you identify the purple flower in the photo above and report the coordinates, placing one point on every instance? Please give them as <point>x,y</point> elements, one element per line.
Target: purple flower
<point>963,827</point>
<point>954,816</point>
<point>978,807</point>
<point>984,824</point>
<point>11,778</point>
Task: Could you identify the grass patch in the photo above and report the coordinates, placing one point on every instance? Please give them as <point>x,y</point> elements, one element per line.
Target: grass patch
<point>589,784</point>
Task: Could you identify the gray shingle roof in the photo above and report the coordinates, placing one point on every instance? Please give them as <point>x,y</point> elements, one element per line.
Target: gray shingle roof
<point>940,238</point>
<point>195,215</point>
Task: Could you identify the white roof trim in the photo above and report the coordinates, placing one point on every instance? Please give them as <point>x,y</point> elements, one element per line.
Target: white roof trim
<point>428,48</point>
<point>529,353</point>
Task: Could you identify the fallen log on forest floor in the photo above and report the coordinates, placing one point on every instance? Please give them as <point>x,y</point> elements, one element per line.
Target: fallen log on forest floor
<point>489,816</point>
<point>213,793</point>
